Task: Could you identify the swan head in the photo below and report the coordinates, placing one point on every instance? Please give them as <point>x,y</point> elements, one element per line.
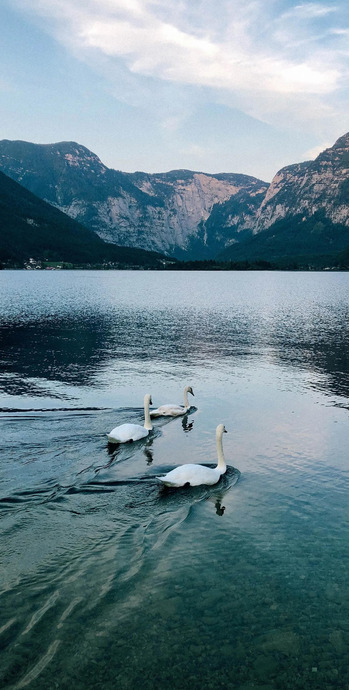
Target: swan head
<point>220,430</point>
<point>189,390</point>
<point>147,399</point>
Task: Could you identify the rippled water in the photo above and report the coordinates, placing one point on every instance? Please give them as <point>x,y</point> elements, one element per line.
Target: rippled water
<point>108,581</point>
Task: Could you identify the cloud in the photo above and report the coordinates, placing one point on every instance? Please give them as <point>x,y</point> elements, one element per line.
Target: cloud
<point>172,123</point>
<point>310,10</point>
<point>194,151</point>
<point>269,62</point>
<point>313,153</point>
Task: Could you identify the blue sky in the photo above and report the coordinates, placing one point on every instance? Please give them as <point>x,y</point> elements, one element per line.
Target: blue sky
<point>156,85</point>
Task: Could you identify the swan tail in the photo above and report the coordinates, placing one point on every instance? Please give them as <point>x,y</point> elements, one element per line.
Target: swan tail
<point>165,482</point>
<point>111,439</point>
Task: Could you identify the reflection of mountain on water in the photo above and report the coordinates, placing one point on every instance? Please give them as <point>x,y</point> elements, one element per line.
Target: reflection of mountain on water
<point>75,349</point>
<point>329,361</point>
<point>62,349</point>
<point>318,344</point>
<point>91,347</point>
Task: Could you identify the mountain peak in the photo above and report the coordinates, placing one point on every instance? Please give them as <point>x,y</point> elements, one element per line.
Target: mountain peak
<point>75,154</point>
<point>342,142</point>
<point>182,212</point>
<point>69,153</point>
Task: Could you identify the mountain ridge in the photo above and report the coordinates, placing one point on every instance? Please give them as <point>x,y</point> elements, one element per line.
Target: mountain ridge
<point>188,214</point>
<point>125,208</point>
<point>310,186</point>
<point>30,228</point>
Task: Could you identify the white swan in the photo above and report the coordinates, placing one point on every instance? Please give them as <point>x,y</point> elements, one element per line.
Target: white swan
<point>133,432</point>
<point>174,410</point>
<point>198,474</point>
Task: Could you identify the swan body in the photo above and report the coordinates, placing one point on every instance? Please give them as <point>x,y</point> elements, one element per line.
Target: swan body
<point>195,475</point>
<point>173,410</point>
<point>133,432</point>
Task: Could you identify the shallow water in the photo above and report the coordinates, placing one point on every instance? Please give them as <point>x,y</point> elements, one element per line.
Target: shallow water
<point>107,580</point>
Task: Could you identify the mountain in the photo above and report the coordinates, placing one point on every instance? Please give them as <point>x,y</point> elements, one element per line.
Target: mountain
<point>308,187</point>
<point>294,241</point>
<point>301,217</point>
<point>183,213</point>
<point>32,228</point>
<point>305,212</point>
<point>343,259</point>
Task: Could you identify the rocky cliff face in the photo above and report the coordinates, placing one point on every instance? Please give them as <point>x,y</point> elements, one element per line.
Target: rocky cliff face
<point>33,232</point>
<point>170,212</point>
<point>190,214</point>
<point>319,185</point>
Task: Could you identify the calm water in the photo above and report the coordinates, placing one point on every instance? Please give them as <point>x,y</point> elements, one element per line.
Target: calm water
<point>106,581</point>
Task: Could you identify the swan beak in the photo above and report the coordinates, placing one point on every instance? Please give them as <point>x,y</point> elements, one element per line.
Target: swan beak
<point>150,402</point>
<point>225,431</point>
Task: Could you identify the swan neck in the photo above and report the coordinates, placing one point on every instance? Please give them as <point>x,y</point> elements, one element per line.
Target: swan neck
<point>186,401</point>
<point>147,419</point>
<point>221,460</point>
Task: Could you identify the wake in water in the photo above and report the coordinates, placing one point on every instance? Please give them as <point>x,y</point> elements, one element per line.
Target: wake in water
<point>141,493</point>
<point>89,530</point>
<point>53,454</point>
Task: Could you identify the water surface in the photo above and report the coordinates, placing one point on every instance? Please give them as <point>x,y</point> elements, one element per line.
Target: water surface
<point>108,581</point>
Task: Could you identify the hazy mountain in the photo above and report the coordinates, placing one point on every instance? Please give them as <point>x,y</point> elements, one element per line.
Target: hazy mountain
<point>304,212</point>
<point>172,212</point>
<point>322,184</point>
<point>294,240</point>
<point>32,228</point>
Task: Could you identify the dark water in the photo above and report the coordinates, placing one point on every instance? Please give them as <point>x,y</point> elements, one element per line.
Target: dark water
<point>106,581</point>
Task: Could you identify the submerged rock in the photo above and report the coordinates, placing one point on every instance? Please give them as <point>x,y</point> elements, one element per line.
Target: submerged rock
<point>284,641</point>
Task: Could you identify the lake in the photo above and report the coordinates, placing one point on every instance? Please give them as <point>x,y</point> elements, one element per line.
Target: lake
<point>108,581</point>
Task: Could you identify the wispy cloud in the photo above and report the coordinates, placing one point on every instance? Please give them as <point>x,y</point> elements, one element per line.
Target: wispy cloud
<point>310,10</point>
<point>195,151</point>
<point>316,150</point>
<point>273,63</point>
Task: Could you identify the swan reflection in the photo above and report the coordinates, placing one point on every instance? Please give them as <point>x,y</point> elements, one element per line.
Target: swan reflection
<point>187,426</point>
<point>149,454</point>
<point>219,508</point>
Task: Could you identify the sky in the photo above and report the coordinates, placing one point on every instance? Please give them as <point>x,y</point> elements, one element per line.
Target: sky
<point>244,86</point>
